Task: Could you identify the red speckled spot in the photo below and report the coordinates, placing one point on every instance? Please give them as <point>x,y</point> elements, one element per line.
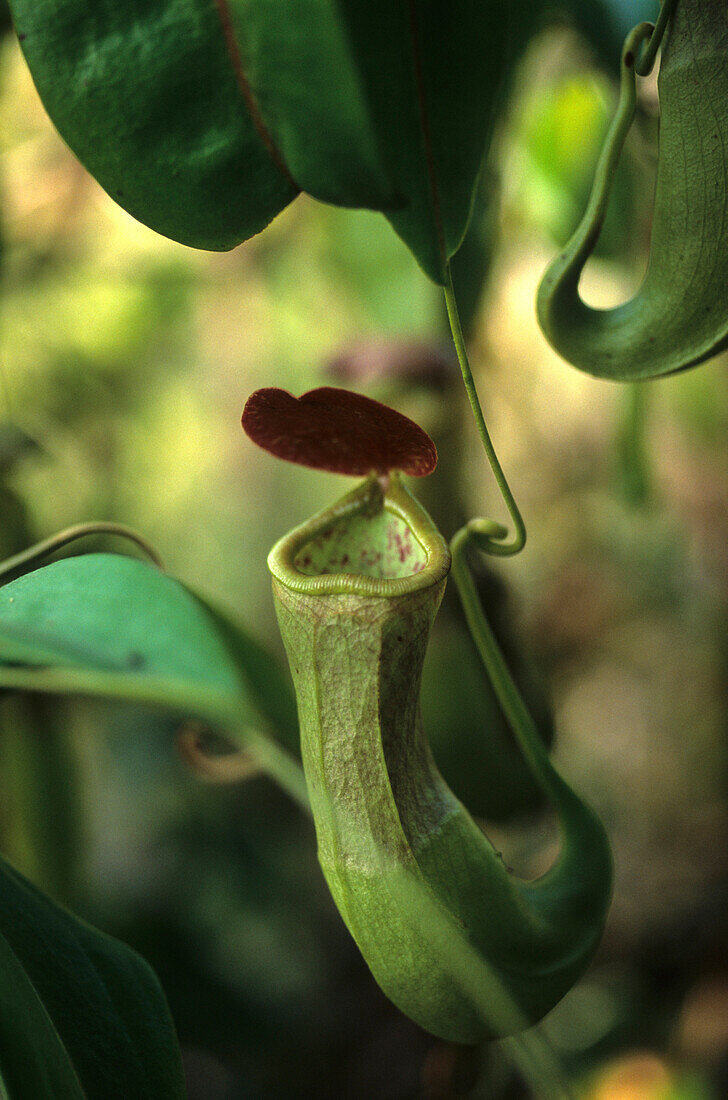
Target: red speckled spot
<point>337,430</point>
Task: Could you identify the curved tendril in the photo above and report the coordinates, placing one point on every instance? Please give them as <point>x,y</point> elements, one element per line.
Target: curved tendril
<point>56,542</point>
<point>228,767</point>
<point>489,535</point>
<point>646,58</point>
<point>638,57</point>
<point>586,235</point>
<point>489,651</point>
<point>577,252</point>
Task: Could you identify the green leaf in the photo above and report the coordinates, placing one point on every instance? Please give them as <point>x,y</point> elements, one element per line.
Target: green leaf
<point>80,1014</point>
<point>151,97</point>
<point>203,118</point>
<point>306,74</point>
<point>383,105</point>
<point>115,613</point>
<point>33,1060</point>
<point>433,72</point>
<point>118,628</point>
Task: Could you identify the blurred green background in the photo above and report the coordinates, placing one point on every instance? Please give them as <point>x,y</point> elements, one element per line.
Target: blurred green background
<point>125,361</point>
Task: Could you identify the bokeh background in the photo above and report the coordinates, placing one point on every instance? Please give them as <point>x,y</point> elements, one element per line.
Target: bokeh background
<point>125,361</point>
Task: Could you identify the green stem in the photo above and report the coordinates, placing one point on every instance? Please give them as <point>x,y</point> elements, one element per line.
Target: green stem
<point>584,862</point>
<point>633,463</point>
<point>490,653</point>
<point>489,535</point>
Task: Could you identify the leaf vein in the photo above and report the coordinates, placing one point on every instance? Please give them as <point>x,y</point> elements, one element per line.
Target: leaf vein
<point>425,127</point>
<point>246,91</point>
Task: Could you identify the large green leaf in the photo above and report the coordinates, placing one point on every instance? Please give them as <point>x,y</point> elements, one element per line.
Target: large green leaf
<point>203,118</point>
<point>33,1060</point>
<point>149,96</point>
<point>433,72</point>
<point>77,1006</point>
<point>305,75</point>
<point>118,628</point>
<point>111,612</point>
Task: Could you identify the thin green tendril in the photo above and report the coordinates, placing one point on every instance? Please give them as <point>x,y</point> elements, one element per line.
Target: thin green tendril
<point>646,59</point>
<point>638,57</point>
<point>488,534</point>
<point>633,63</point>
<point>50,545</point>
<point>490,653</point>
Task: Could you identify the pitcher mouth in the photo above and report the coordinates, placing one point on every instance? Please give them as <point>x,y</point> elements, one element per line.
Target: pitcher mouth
<point>376,541</point>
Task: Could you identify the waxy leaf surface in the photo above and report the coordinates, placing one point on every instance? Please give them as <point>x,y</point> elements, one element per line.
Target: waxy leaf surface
<point>150,96</point>
<point>204,118</point>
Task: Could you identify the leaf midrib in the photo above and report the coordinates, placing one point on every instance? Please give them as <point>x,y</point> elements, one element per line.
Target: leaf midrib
<point>233,50</point>
<point>425,129</point>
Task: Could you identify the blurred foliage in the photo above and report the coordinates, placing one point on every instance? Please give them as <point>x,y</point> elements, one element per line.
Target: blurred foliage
<point>37,758</point>
<point>555,184</point>
<point>125,361</point>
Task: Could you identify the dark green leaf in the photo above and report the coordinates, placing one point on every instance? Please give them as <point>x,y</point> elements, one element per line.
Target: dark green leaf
<point>33,1060</point>
<point>203,118</point>
<point>433,72</point>
<point>77,1006</point>
<point>151,97</point>
<point>305,71</point>
<point>383,105</point>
